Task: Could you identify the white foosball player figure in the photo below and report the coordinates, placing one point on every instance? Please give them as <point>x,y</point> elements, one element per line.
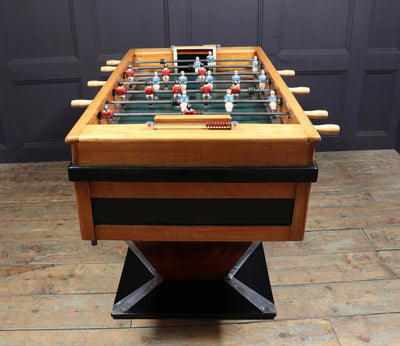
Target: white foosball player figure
<point>156,84</point>
<point>165,73</point>
<point>183,80</point>
<point>228,98</point>
<point>196,64</point>
<point>273,101</point>
<point>206,91</point>
<point>262,80</point>
<point>183,99</point>
<point>130,73</point>
<point>149,91</point>
<point>202,73</point>
<point>209,78</point>
<point>254,63</point>
<point>210,59</point>
<point>236,77</point>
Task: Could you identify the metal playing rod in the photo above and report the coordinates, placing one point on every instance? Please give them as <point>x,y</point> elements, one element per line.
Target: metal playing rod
<point>196,74</point>
<point>230,81</point>
<point>163,61</point>
<point>269,114</point>
<point>191,101</point>
<point>197,82</point>
<point>189,66</point>
<point>199,91</point>
<point>170,91</point>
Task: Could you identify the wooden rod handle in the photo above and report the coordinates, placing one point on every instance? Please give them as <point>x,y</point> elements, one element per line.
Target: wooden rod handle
<point>95,83</point>
<point>80,103</point>
<point>300,90</point>
<point>327,129</point>
<point>112,62</point>
<point>286,73</point>
<point>108,68</point>
<point>317,114</point>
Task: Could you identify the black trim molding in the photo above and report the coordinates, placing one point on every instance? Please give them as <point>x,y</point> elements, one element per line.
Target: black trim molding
<point>194,174</point>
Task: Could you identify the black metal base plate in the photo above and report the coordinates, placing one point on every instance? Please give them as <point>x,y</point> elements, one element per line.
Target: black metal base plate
<point>195,298</point>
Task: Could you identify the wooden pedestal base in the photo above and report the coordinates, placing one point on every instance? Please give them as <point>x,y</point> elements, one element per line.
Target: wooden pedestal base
<point>244,293</point>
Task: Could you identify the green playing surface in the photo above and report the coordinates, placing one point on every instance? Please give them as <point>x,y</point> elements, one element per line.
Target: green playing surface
<point>199,107</point>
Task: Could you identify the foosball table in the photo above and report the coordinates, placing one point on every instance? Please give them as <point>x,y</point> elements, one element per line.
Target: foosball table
<point>193,156</point>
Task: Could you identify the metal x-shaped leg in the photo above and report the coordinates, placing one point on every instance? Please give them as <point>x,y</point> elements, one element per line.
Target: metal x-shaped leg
<point>261,303</point>
<point>131,299</point>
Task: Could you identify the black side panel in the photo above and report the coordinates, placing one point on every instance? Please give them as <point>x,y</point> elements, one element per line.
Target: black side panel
<point>196,211</point>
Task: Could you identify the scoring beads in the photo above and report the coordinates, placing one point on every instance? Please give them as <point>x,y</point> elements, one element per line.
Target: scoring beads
<point>219,124</point>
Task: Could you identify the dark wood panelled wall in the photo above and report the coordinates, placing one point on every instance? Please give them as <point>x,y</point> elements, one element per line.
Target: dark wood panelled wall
<point>346,51</point>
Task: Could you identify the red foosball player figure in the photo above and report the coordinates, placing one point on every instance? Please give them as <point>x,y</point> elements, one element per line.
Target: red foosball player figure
<point>177,90</point>
<point>121,91</point>
<point>206,90</point>
<point>149,91</point>
<point>201,72</point>
<point>189,109</point>
<point>165,73</point>
<point>129,73</point>
<point>235,89</point>
<point>107,113</point>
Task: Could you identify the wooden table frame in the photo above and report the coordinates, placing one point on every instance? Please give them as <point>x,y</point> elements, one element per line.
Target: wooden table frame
<point>252,145</point>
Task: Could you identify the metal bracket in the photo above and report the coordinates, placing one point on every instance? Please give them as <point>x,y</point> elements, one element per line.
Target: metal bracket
<point>260,302</point>
<point>242,259</point>
<point>130,300</point>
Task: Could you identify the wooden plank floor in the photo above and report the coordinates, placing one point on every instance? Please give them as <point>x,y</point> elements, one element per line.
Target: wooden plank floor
<point>340,286</point>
